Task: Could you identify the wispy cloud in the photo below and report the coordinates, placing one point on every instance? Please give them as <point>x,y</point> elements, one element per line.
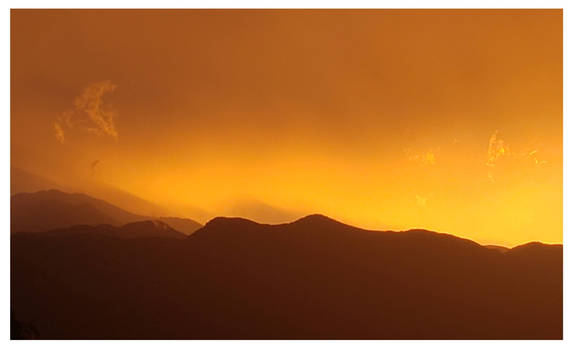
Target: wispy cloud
<point>89,113</point>
<point>59,132</point>
<point>420,200</point>
<point>424,158</point>
<point>496,149</point>
<point>534,156</point>
<point>94,167</point>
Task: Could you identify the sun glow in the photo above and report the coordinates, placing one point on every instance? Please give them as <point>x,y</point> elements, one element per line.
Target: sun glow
<point>442,120</point>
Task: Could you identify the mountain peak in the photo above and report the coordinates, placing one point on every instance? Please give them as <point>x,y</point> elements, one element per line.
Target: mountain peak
<point>316,220</point>
<point>150,228</point>
<point>313,220</point>
<point>52,193</point>
<point>224,221</point>
<point>54,209</point>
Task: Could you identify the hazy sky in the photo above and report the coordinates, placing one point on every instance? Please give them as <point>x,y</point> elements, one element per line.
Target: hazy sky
<point>445,120</point>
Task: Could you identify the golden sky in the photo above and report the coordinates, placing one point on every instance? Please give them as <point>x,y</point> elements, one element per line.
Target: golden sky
<point>444,120</point>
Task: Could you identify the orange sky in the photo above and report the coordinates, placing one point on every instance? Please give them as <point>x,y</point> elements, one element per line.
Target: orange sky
<point>445,120</point>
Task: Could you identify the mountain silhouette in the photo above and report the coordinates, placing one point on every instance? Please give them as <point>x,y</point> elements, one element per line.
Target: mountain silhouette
<point>54,209</point>
<point>25,181</point>
<point>139,229</point>
<point>260,211</point>
<point>314,278</point>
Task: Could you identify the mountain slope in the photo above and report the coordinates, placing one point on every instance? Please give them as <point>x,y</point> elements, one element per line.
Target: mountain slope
<point>53,209</point>
<point>22,181</point>
<point>139,229</point>
<point>314,278</point>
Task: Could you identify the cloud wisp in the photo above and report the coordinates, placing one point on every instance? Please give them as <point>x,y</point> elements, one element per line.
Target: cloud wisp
<point>425,158</point>
<point>89,114</point>
<point>496,149</point>
<point>421,200</point>
<point>535,157</point>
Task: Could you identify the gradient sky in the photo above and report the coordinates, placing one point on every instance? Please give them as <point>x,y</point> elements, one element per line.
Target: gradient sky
<point>444,120</point>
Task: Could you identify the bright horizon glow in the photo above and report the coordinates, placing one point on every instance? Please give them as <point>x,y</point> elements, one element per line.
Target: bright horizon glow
<point>449,121</point>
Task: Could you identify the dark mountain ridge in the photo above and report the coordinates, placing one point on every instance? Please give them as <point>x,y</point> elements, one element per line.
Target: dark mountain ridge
<point>23,181</point>
<point>313,278</point>
<point>54,209</point>
<point>139,229</point>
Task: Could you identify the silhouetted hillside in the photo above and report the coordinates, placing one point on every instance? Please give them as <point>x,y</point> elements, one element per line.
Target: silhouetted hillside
<point>24,181</point>
<point>53,209</point>
<point>496,247</point>
<point>21,331</point>
<point>314,278</point>
<point>139,229</point>
<point>260,211</point>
